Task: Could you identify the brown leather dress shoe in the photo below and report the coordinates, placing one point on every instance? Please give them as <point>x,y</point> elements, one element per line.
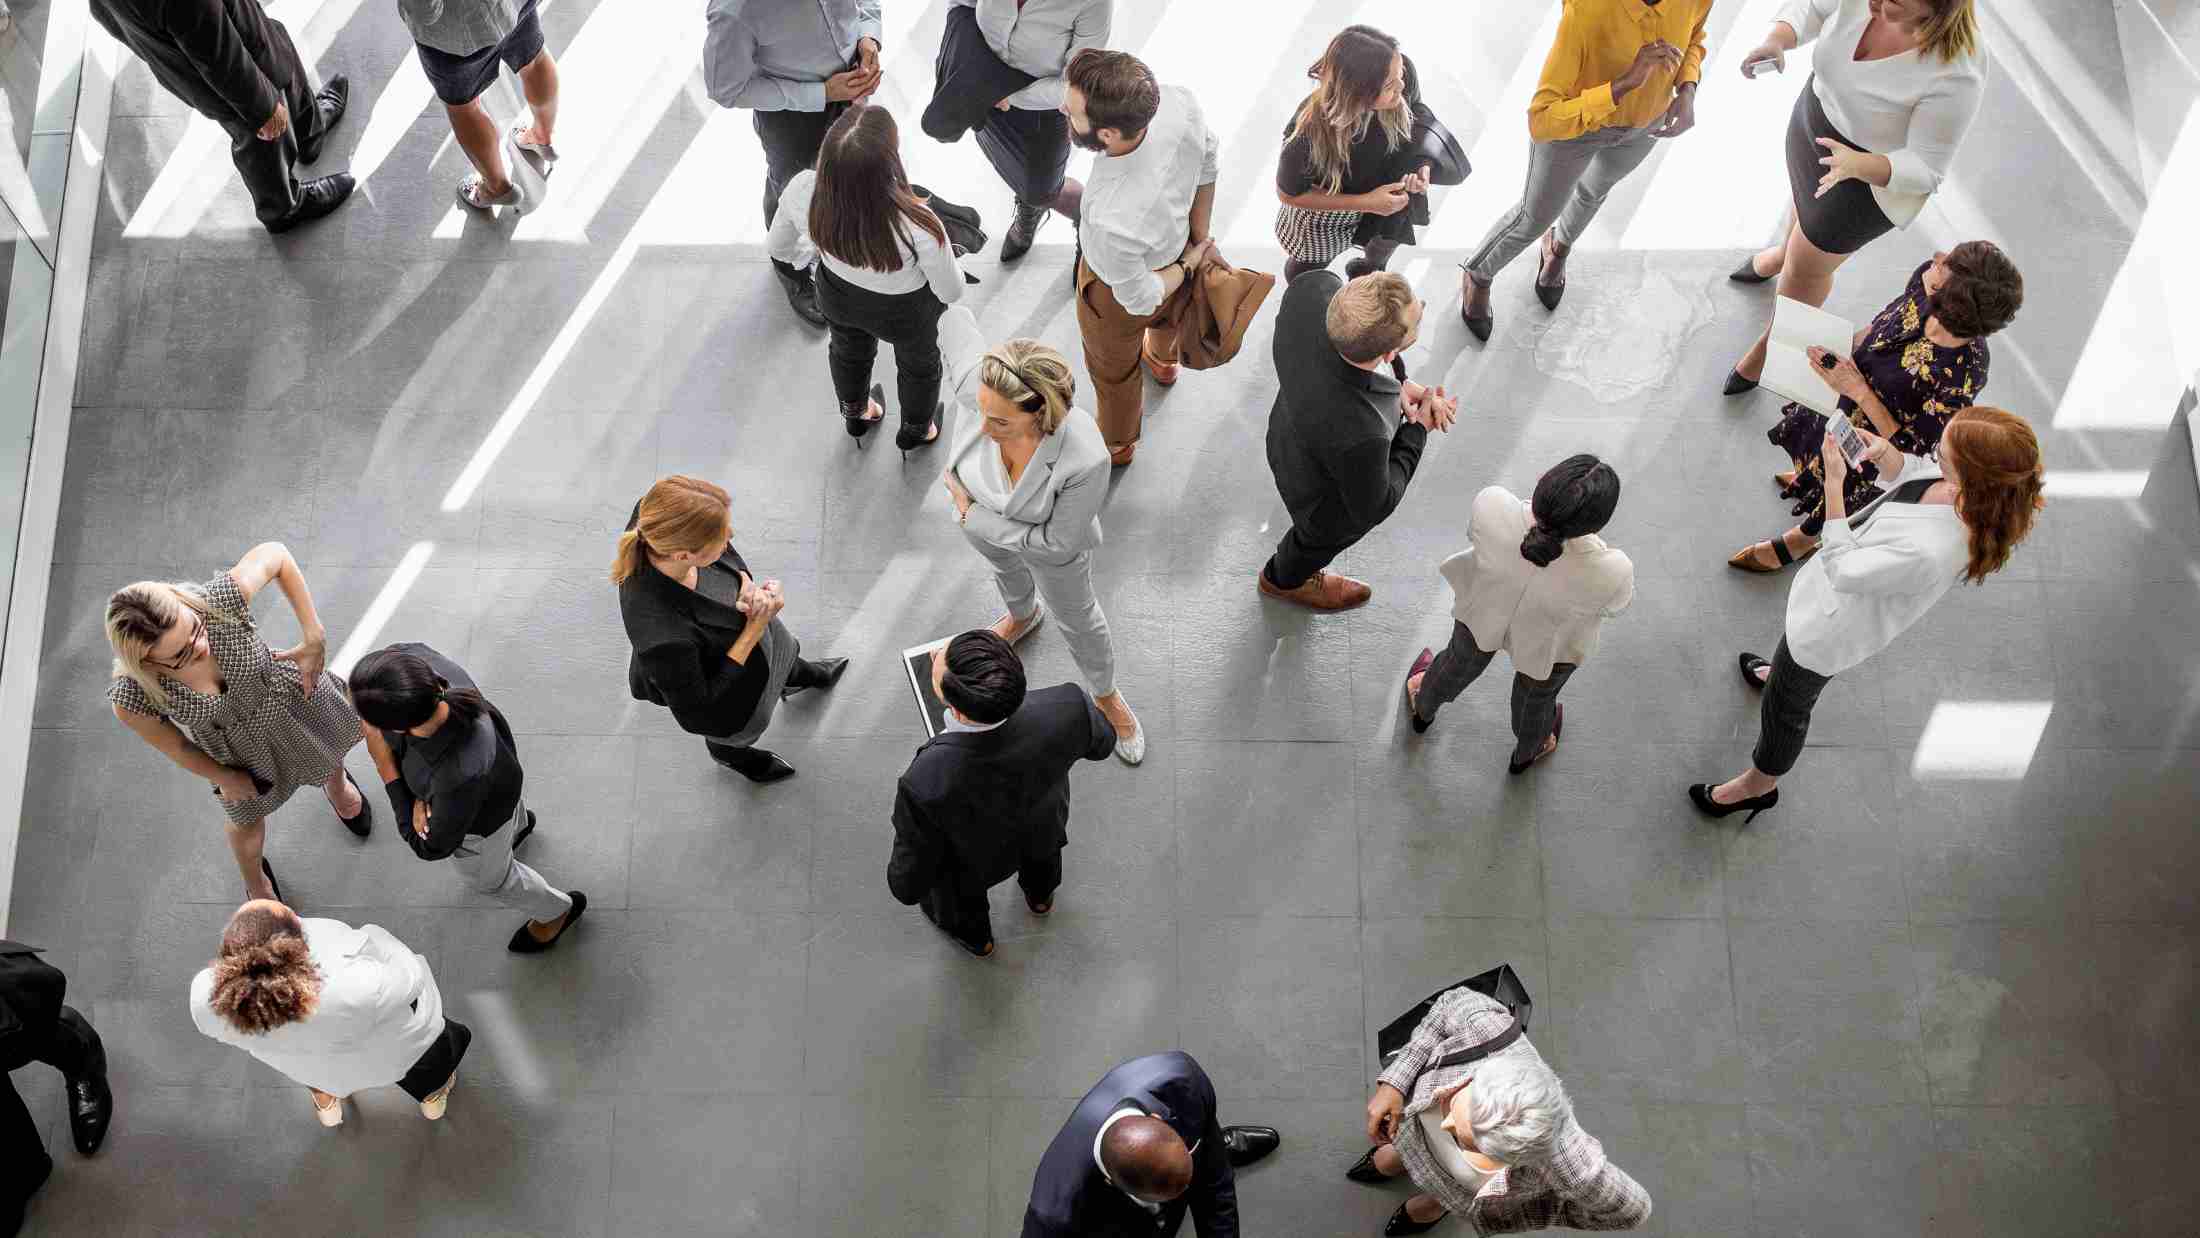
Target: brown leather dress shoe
<point>1322,591</point>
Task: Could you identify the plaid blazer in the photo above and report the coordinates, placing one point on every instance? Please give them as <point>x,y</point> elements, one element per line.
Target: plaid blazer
<point>1577,1187</point>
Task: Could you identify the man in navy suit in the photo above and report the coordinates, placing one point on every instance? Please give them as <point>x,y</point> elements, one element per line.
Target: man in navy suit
<point>1142,1149</point>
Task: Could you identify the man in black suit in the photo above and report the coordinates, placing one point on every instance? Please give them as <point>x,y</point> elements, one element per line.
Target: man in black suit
<point>1142,1149</point>
<point>235,65</point>
<point>36,1027</point>
<point>989,796</point>
<point>1344,435</point>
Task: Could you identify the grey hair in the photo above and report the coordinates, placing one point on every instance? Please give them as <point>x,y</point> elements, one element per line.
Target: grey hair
<point>1518,1108</point>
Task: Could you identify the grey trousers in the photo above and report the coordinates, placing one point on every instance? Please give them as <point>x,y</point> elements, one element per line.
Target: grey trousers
<point>488,865</point>
<point>1534,701</point>
<point>1567,182</point>
<point>1067,588</point>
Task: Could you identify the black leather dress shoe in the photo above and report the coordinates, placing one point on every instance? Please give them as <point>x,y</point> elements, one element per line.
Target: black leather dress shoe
<point>829,671</point>
<point>1399,1223</point>
<point>91,1103</point>
<point>1364,1171</point>
<point>329,101</point>
<point>754,764</point>
<point>316,198</point>
<point>1023,229</point>
<point>801,290</point>
<point>1247,1144</point>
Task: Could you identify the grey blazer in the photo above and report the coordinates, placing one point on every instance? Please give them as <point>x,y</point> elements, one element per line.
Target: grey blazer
<point>1054,513</point>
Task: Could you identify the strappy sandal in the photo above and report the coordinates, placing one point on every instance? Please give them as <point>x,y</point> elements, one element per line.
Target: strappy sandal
<point>1746,560</point>
<point>470,195</point>
<point>544,152</point>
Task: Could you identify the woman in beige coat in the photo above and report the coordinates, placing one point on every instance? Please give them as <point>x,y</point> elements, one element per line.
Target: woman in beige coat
<point>1537,582</point>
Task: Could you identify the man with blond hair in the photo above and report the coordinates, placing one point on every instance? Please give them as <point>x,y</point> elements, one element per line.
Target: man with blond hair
<point>1347,428</point>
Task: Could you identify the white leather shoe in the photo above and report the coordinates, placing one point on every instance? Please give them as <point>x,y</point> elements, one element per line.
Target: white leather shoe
<point>433,1107</point>
<point>1132,750</point>
<point>331,1115</point>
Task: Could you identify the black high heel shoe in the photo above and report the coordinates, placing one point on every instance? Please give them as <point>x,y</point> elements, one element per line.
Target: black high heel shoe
<point>268,870</point>
<point>1400,1223</point>
<point>1750,662</point>
<point>1747,272</point>
<point>859,423</point>
<point>910,438</point>
<point>1736,384</point>
<point>1364,1171</point>
<point>1700,795</point>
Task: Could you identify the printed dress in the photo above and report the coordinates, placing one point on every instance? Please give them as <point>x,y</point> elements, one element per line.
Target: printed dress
<point>262,722</point>
<point>1921,384</point>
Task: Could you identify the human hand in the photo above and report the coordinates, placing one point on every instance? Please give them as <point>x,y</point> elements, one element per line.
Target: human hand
<point>1841,164</point>
<point>1387,200</point>
<point>1839,373</point>
<point>867,54</point>
<point>1833,466</point>
<point>1410,395</point>
<point>1680,114</point>
<point>1653,57</point>
<point>1002,106</point>
<point>1765,54</point>
<point>1383,1112</point>
<point>1877,450</point>
<point>1196,255</point>
<point>1440,409</point>
<point>765,603</point>
<point>956,493</point>
<point>850,85</point>
<point>311,657</point>
<point>234,785</point>
<point>420,818</point>
<point>274,126</point>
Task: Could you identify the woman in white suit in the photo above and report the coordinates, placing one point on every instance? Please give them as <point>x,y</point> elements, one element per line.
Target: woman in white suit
<point>1537,582</point>
<point>333,1007</point>
<point>1959,518</point>
<point>1028,472</point>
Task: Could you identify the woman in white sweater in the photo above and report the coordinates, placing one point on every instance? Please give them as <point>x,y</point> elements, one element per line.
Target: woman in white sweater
<point>333,1007</point>
<point>1537,582</point>
<point>1959,518</point>
<point>885,270</point>
<point>1893,89</point>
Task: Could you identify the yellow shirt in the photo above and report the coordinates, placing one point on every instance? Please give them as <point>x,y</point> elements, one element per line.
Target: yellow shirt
<point>1597,40</point>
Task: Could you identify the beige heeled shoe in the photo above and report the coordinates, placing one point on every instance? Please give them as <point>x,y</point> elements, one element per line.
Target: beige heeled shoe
<point>433,1107</point>
<point>331,1114</point>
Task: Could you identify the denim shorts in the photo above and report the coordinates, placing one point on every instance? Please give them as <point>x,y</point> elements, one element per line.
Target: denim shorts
<point>461,79</point>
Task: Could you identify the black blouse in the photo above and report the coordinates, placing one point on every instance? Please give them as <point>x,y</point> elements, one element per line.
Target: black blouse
<point>1372,164</point>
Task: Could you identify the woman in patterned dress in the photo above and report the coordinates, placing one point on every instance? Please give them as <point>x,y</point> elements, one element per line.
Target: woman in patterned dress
<point>1918,363</point>
<point>1338,177</point>
<point>194,679</point>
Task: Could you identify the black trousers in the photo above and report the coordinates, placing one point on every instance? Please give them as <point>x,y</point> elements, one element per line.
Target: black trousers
<point>790,143</point>
<point>1783,716</point>
<point>1030,150</point>
<point>1302,553</point>
<point>269,168</point>
<point>434,1068</point>
<point>965,913</point>
<point>859,319</point>
<point>1534,701</point>
<point>48,1032</point>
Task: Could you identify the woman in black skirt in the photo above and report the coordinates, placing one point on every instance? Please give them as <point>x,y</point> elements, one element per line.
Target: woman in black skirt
<point>1339,176</point>
<point>1894,86</point>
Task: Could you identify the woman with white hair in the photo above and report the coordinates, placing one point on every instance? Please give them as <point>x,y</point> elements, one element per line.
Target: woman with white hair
<point>1472,1113</point>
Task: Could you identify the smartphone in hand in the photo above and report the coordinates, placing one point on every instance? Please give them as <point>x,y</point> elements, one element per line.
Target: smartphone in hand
<point>1853,447</point>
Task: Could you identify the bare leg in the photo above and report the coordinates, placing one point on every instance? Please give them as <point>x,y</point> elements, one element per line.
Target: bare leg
<point>1753,782</point>
<point>342,796</point>
<point>1387,1161</point>
<point>477,136</point>
<point>1806,274</point>
<point>1423,1209</point>
<point>539,80</point>
<point>1071,198</point>
<point>247,843</point>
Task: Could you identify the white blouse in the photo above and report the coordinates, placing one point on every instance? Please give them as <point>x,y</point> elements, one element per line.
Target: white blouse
<point>1540,615</point>
<point>1137,210</point>
<point>929,264</point>
<point>1866,586</point>
<point>1913,108</point>
<point>379,1011</point>
<point>1448,1153</point>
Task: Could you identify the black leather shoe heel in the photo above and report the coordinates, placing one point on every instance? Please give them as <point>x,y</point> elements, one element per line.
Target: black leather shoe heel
<point>523,942</point>
<point>754,764</point>
<point>911,438</point>
<point>1747,272</point>
<point>268,871</point>
<point>363,821</point>
<point>860,423</point>
<point>1363,1170</point>
<point>1736,384</point>
<point>1750,662</point>
<point>1399,1223</point>
<point>1700,795</point>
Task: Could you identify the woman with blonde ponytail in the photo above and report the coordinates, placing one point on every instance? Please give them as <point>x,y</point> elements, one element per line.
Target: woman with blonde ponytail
<point>1938,522</point>
<point>1027,472</point>
<point>1338,177</point>
<point>706,636</point>
<point>194,680</point>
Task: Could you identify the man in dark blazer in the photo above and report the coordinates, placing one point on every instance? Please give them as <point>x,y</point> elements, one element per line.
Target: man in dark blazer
<point>988,797</point>
<point>235,65</point>
<point>1344,436</point>
<point>36,1027</point>
<point>1143,1148</point>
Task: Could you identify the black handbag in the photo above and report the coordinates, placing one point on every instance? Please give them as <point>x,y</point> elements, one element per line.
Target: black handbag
<point>1500,982</point>
<point>1432,146</point>
<point>965,231</point>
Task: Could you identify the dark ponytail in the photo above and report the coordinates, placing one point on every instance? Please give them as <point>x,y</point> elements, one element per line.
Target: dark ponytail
<point>396,691</point>
<point>1575,498</point>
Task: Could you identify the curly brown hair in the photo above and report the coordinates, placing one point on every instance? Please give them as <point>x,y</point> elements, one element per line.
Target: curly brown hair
<point>264,978</point>
<point>1999,477</point>
<point>1982,293</point>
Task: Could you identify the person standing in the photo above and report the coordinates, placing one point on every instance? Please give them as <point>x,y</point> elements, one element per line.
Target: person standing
<point>1141,1150</point>
<point>330,1006</point>
<point>1893,89</point>
<point>1957,518</point>
<point>461,43</point>
<point>35,1026</point>
<point>1620,75</point>
<point>193,679</point>
<point>706,636</point>
<point>1344,435</point>
<point>1027,474</point>
<point>451,769</point>
<point>1537,582</point>
<point>1143,228</point>
<point>988,797</point>
<point>1026,135</point>
<point>883,270</point>
<point>1338,177</point>
<point>235,65</point>
<point>796,65</point>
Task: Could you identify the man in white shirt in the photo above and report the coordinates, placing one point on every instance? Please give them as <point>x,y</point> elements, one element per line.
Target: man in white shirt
<point>1142,228</point>
<point>1025,135</point>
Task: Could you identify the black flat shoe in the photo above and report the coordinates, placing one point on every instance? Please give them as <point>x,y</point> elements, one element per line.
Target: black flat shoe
<point>1364,1171</point>
<point>1750,662</point>
<point>829,670</point>
<point>1246,1144</point>
<point>525,832</point>
<point>757,765</point>
<point>267,870</point>
<point>1736,384</point>
<point>1747,272</point>
<point>1400,1223</point>
<point>330,101</point>
<point>523,942</point>
<point>316,198</point>
<point>1420,666</point>
<point>860,423</point>
<point>1700,795</point>
<point>909,438</point>
<point>364,820</point>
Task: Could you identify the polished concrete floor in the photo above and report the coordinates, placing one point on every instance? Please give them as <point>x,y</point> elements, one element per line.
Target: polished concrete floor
<point>1950,986</point>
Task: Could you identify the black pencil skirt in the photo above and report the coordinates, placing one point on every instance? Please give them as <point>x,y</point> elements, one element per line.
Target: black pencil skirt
<point>1848,218</point>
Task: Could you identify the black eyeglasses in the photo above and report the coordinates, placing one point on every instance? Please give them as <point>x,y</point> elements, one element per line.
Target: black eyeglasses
<point>189,654</point>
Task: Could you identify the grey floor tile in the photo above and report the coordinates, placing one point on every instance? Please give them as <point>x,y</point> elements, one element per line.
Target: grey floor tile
<point>1263,829</point>
<point>535,651</point>
<point>1829,1011</point>
<point>2121,678</point>
<point>1831,851</point>
<point>2133,814</point>
<point>2010,1013</point>
<point>500,1162</point>
<point>1643,1009</point>
<point>1300,1188</point>
<point>1990,1179</point>
<point>2153,972</point>
<point>1998,848</point>
<point>1257,668</point>
<point>1443,831</point>
<point>1884,1184</point>
<point>704,836</point>
<point>1272,1007</point>
<point>905,1184</point>
<point>704,1163</point>
<point>1691,1158</point>
<point>1656,858</point>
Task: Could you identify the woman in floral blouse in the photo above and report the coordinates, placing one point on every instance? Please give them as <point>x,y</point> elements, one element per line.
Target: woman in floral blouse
<point>1918,363</point>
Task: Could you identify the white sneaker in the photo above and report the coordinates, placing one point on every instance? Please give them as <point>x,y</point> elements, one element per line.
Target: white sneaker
<point>1132,750</point>
<point>330,1115</point>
